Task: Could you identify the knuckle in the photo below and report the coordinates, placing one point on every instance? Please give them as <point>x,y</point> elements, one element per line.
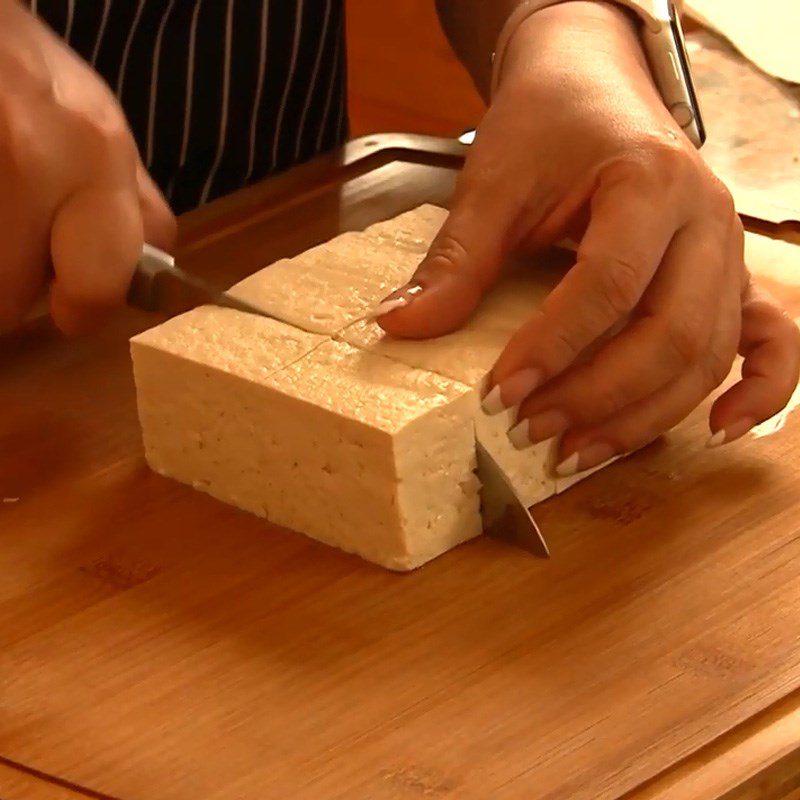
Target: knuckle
<point>565,346</point>
<point>106,132</point>
<point>27,70</point>
<point>684,342</point>
<point>718,367</point>
<point>720,201</point>
<point>669,159</point>
<point>448,251</point>
<point>449,255</point>
<point>656,163</point>
<point>604,403</point>
<point>771,320</point>
<point>619,284</point>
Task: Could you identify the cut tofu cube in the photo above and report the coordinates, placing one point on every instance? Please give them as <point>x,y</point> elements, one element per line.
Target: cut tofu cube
<point>328,287</point>
<point>245,345</point>
<point>414,230</point>
<point>467,355</point>
<point>350,448</point>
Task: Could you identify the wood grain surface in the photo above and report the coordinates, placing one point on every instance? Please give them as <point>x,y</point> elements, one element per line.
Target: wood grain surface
<point>757,760</point>
<point>155,643</point>
<point>18,783</point>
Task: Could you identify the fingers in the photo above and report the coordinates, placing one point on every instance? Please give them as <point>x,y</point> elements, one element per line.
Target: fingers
<point>462,264</point>
<point>634,427</point>
<point>160,227</point>
<point>96,240</point>
<point>770,344</point>
<point>24,216</point>
<point>466,257</point>
<point>670,333</point>
<point>642,422</point>
<point>623,246</point>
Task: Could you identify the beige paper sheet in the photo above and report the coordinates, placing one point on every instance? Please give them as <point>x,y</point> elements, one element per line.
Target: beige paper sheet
<point>753,124</point>
<point>764,31</point>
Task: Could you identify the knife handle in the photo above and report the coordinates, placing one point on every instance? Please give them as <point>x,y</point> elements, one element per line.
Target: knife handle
<point>152,264</point>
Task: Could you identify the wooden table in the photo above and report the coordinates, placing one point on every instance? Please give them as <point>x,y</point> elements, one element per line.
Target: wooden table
<point>158,645</point>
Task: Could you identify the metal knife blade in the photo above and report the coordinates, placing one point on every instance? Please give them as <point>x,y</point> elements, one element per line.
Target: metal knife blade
<point>158,284</point>
<point>505,516</point>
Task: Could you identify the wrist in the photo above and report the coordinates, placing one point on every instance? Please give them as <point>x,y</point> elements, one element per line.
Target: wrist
<point>594,33</point>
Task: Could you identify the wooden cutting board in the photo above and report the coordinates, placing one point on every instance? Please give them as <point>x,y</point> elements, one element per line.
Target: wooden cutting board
<point>158,645</point>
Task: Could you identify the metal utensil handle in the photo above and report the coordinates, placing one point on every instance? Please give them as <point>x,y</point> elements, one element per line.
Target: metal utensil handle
<point>142,291</point>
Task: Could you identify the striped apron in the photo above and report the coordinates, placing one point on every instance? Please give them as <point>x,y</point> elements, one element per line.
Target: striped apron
<point>218,93</point>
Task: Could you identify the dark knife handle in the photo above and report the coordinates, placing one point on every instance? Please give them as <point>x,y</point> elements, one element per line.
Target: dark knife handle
<point>152,264</point>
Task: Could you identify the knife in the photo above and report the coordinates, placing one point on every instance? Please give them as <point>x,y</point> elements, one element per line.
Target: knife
<point>505,516</point>
<point>159,284</point>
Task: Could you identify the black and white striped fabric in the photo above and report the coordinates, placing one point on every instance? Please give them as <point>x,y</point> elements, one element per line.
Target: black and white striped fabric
<point>218,93</point>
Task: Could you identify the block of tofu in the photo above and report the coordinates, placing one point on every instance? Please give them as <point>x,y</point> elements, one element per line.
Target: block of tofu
<point>323,424</point>
<point>350,448</point>
<point>245,345</point>
<point>467,355</point>
<point>413,230</point>
<point>328,287</point>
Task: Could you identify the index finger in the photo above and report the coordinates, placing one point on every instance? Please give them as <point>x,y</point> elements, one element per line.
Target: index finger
<point>617,258</point>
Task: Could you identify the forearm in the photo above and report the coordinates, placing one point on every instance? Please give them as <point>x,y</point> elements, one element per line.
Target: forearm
<point>473,27</point>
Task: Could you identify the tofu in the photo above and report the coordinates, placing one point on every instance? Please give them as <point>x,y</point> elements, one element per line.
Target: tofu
<point>245,345</point>
<point>467,355</point>
<point>348,447</point>
<point>413,230</point>
<point>320,422</point>
<point>330,286</point>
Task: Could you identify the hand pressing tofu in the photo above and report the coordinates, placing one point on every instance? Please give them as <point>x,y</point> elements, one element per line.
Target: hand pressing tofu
<point>577,142</point>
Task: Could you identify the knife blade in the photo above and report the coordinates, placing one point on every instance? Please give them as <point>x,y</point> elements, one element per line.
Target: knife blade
<point>505,516</point>
<point>159,284</point>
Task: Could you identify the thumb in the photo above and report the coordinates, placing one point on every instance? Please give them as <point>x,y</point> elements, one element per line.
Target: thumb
<point>463,262</point>
<point>158,221</point>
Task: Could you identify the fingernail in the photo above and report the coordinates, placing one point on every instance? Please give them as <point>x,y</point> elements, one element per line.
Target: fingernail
<point>399,299</point>
<point>568,467</point>
<point>518,435</point>
<point>590,456</point>
<point>511,391</point>
<point>515,388</point>
<point>547,425</point>
<point>493,403</point>
<point>389,305</point>
<point>731,433</point>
